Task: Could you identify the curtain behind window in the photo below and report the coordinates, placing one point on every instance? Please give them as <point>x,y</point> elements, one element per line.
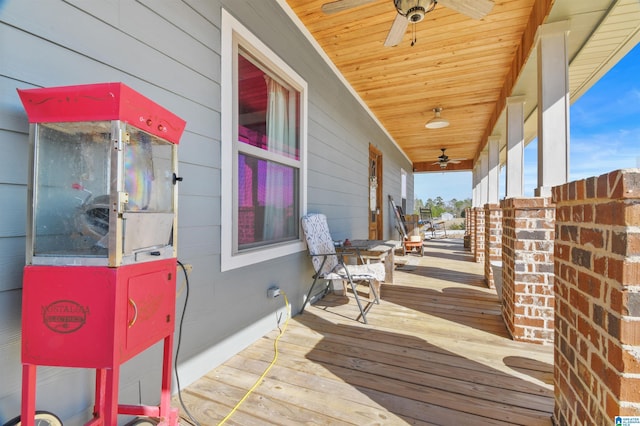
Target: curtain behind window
<point>280,139</point>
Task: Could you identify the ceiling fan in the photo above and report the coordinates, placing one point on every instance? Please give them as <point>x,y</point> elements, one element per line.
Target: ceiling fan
<point>444,159</point>
<point>413,11</point>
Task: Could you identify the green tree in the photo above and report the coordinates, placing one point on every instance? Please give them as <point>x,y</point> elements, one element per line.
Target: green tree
<point>438,206</point>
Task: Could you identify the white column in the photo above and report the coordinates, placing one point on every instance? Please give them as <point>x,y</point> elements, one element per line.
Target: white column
<point>493,170</point>
<point>515,147</point>
<point>553,107</point>
<point>474,181</point>
<point>484,178</point>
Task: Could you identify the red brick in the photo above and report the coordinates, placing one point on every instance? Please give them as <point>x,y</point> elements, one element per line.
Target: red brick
<point>584,373</point>
<point>588,331</point>
<point>590,187</point>
<point>580,190</point>
<point>615,298</point>
<point>630,332</point>
<point>625,243</point>
<point>630,184</point>
<point>615,269</point>
<point>567,314</point>
<point>602,187</point>
<point>573,337</point>
<point>531,322</point>
<point>530,202</point>
<point>556,193</point>
<point>562,251</point>
<point>600,265</point>
<point>576,213</point>
<point>613,325</point>
<point>630,361</point>
<point>589,213</point>
<point>592,237</point>
<point>590,284</point>
<point>563,213</point>
<point>632,213</point>
<point>614,354</point>
<point>571,190</point>
<point>630,389</point>
<point>597,366</point>
<point>612,406</point>
<point>604,214</point>
<point>581,257</point>
<point>615,183</point>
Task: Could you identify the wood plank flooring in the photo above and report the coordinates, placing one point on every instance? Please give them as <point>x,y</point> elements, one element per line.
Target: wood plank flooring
<point>435,352</point>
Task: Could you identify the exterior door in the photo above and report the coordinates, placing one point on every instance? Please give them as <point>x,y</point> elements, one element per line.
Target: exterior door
<point>375,193</point>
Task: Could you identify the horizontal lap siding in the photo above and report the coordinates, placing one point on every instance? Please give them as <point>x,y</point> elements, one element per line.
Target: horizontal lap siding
<point>170,52</point>
<point>59,43</point>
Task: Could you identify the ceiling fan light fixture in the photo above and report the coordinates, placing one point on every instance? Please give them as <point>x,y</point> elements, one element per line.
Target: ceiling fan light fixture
<point>414,10</point>
<point>437,122</point>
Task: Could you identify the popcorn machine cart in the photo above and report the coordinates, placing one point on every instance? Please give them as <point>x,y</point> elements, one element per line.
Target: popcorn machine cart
<point>99,281</point>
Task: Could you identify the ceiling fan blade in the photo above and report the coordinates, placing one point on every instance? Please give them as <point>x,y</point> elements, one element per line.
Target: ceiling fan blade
<point>398,28</point>
<point>476,9</point>
<point>340,5</point>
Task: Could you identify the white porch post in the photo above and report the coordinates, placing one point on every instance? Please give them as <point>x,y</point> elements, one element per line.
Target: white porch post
<point>553,107</point>
<point>474,181</point>
<point>493,170</point>
<point>484,178</point>
<point>515,147</point>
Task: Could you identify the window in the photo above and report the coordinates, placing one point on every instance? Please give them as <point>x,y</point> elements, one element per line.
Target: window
<point>263,151</point>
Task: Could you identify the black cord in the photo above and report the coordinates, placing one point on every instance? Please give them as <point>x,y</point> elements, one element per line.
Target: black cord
<point>175,365</point>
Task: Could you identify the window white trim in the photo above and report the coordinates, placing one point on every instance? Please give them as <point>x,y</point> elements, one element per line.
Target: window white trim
<point>234,34</point>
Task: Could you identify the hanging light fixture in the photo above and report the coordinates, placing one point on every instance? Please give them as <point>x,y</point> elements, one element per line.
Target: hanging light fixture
<point>414,10</point>
<point>437,122</point>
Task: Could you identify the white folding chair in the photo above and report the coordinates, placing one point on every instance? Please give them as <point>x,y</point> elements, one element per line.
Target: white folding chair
<point>330,265</point>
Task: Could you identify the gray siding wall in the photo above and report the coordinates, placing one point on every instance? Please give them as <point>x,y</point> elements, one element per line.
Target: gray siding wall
<point>169,50</point>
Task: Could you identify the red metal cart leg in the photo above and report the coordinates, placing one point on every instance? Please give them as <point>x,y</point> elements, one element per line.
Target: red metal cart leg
<point>111,396</point>
<point>99,404</point>
<point>168,415</point>
<point>28,411</point>
<point>165,393</point>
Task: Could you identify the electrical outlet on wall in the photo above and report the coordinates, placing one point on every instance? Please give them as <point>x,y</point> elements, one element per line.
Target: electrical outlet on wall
<point>273,292</point>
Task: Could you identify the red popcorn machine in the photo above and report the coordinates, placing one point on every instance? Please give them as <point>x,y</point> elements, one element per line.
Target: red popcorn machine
<point>100,274</point>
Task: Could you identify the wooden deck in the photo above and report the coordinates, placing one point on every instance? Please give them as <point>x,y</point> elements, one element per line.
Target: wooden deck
<point>435,351</point>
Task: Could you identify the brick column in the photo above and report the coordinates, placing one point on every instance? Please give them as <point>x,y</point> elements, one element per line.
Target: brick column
<point>492,242</point>
<point>597,325</point>
<point>466,219</point>
<point>527,268</point>
<point>478,252</point>
<point>467,235</point>
<point>472,230</point>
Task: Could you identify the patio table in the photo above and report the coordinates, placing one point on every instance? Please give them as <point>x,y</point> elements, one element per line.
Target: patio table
<point>377,250</point>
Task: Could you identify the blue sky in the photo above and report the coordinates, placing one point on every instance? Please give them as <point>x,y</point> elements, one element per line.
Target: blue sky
<point>605,136</point>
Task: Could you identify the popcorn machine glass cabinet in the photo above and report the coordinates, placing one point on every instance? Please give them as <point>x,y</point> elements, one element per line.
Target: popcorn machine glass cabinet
<point>103,194</point>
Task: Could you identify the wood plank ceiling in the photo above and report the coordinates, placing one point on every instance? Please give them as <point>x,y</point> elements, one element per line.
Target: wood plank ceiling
<point>462,65</point>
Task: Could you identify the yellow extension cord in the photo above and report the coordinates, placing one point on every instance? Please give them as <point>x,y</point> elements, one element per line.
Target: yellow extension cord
<point>275,358</point>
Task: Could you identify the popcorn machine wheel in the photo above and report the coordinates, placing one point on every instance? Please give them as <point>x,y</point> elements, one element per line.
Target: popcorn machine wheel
<point>99,281</point>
